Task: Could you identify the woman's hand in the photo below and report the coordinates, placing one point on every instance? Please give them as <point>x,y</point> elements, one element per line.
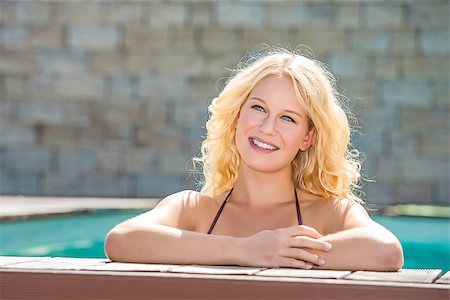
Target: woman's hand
<point>285,247</point>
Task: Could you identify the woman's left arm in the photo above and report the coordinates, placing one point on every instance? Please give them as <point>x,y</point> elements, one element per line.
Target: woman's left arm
<point>362,244</point>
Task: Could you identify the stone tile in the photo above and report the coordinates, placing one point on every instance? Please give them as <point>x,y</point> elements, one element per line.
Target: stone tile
<point>16,64</point>
<point>58,135</point>
<point>199,14</point>
<point>239,14</point>
<point>384,16</point>
<point>435,42</point>
<point>164,14</point>
<point>160,89</point>
<point>143,40</point>
<point>429,14</point>
<point>403,42</point>
<point>123,12</point>
<point>93,38</point>
<point>287,14</point>
<point>65,183</point>
<point>78,13</point>
<point>412,93</point>
<point>14,38</point>
<point>425,67</point>
<point>370,41</point>
<point>104,184</point>
<point>27,160</point>
<point>51,37</point>
<point>157,186</point>
<point>31,13</point>
<point>16,134</point>
<point>348,15</point>
<point>76,88</point>
<point>211,40</point>
<point>175,64</point>
<point>62,62</point>
<point>41,112</point>
<point>349,65</point>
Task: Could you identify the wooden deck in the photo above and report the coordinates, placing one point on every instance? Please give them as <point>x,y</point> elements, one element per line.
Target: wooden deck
<point>78,278</point>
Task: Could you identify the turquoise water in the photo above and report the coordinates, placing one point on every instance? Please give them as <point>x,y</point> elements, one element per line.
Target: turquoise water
<point>426,241</point>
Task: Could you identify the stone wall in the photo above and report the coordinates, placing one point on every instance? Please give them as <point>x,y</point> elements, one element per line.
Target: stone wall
<point>108,98</point>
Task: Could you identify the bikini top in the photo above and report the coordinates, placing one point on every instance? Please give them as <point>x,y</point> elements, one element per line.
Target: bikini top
<point>297,206</point>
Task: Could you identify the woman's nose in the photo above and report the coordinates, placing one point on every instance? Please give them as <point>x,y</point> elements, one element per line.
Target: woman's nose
<point>268,126</point>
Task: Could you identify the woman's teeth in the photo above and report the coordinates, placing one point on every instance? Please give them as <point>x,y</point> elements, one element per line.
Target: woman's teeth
<point>263,145</point>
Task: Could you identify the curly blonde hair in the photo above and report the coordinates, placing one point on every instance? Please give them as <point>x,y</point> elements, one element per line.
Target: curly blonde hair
<point>329,168</point>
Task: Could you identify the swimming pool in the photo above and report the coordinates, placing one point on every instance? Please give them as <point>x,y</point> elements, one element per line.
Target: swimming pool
<point>426,241</point>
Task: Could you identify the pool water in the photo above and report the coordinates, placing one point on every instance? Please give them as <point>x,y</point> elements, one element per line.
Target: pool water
<point>425,241</point>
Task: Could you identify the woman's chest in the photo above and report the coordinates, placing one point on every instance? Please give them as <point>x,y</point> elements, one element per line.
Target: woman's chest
<point>241,222</point>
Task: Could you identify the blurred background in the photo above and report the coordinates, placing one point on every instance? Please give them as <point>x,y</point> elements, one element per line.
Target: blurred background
<point>109,98</point>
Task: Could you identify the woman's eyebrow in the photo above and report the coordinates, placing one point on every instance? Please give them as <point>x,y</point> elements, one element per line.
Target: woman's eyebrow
<point>286,110</point>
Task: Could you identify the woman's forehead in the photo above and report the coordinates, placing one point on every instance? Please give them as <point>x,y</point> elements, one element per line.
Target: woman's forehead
<point>276,87</point>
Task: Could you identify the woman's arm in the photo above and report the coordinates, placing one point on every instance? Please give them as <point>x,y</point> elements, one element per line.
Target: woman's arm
<point>362,244</point>
<point>155,243</point>
<point>166,234</point>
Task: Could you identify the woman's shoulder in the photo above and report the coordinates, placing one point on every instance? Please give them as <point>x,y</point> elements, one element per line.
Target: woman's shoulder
<point>192,200</point>
<point>337,204</point>
<point>331,211</point>
<point>194,197</point>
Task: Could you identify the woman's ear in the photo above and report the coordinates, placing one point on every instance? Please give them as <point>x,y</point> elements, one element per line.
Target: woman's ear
<point>236,120</point>
<point>308,140</point>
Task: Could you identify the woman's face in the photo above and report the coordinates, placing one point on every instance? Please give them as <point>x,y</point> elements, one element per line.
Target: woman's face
<point>272,126</point>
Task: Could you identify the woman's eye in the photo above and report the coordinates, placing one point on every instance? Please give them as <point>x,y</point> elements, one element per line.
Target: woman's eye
<point>287,118</point>
<point>258,107</point>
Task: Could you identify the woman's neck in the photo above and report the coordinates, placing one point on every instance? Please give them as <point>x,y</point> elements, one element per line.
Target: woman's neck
<point>254,188</point>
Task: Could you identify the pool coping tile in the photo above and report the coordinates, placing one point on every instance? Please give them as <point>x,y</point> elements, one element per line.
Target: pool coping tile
<point>130,267</point>
<point>445,279</point>
<point>402,275</point>
<point>301,273</point>
<point>57,263</point>
<point>216,270</point>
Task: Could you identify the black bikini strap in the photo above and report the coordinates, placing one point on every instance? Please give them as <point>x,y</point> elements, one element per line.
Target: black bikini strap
<point>297,205</point>
<point>219,212</point>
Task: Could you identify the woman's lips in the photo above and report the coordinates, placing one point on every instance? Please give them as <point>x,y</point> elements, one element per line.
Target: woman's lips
<point>262,146</point>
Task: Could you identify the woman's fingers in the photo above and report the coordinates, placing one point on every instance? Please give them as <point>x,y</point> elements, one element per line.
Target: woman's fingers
<point>303,255</point>
<point>304,231</point>
<point>307,242</point>
<point>293,263</point>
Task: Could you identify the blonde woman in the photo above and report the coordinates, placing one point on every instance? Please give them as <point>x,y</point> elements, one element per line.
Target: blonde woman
<point>279,182</point>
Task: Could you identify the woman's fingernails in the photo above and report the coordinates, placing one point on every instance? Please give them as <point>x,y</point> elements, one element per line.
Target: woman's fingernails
<point>308,266</point>
<point>328,246</point>
<point>321,262</point>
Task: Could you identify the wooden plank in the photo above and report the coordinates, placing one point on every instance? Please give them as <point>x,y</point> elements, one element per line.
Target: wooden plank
<point>10,260</point>
<point>444,279</point>
<point>219,270</point>
<point>130,267</point>
<point>403,275</point>
<point>64,284</point>
<point>57,263</point>
<point>286,272</point>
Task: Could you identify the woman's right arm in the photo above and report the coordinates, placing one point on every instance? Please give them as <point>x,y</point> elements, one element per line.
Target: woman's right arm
<point>166,234</point>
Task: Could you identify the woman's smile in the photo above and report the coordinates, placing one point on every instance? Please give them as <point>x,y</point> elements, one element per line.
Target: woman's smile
<point>262,146</point>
